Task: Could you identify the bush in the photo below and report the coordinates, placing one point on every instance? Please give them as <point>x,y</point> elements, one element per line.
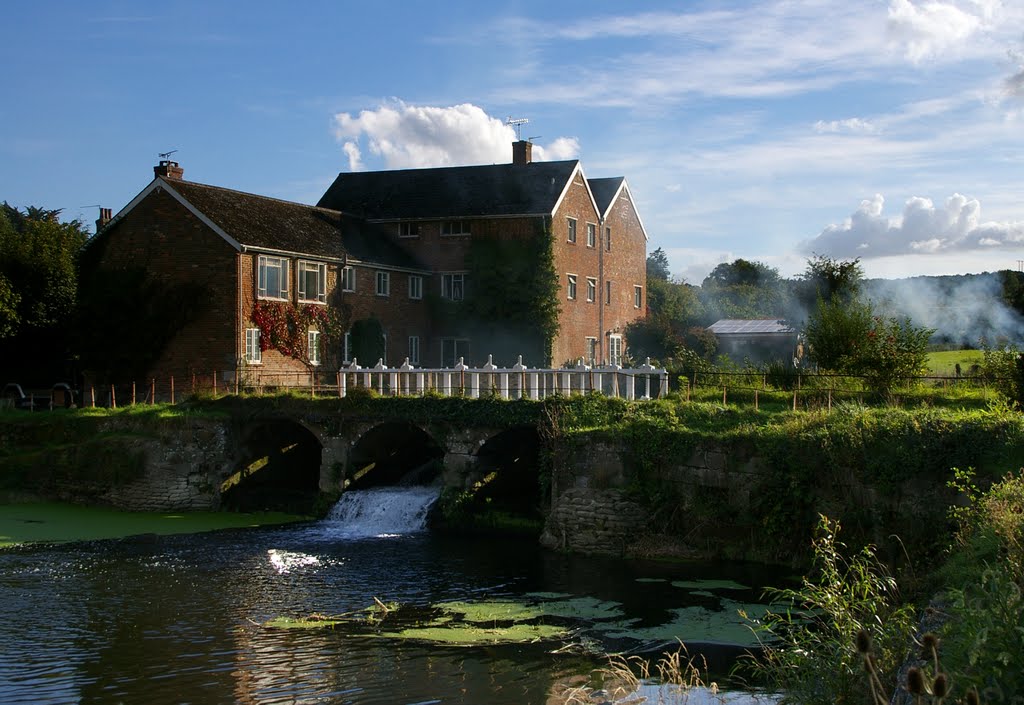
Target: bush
<point>849,338</point>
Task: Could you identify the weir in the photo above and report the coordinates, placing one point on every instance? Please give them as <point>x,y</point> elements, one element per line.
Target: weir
<point>382,511</point>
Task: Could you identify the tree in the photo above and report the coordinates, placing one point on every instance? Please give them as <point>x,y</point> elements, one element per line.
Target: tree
<point>743,289</point>
<point>38,265</point>
<point>741,272</point>
<point>368,341</point>
<point>826,277</point>
<point>657,266</point>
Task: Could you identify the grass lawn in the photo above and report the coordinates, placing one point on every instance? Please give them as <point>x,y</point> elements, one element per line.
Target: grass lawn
<point>32,522</point>
<point>944,363</point>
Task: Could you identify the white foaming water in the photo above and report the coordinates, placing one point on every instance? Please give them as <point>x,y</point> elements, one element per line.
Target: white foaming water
<point>382,511</point>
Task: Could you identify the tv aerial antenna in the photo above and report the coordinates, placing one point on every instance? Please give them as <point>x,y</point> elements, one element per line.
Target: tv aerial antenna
<point>166,155</point>
<point>517,123</point>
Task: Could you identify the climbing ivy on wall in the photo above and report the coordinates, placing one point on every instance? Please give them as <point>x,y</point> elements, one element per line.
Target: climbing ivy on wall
<point>284,326</point>
<point>511,302</point>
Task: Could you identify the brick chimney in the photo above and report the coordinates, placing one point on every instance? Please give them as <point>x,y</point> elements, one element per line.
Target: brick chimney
<point>104,218</point>
<point>522,152</point>
<point>168,170</point>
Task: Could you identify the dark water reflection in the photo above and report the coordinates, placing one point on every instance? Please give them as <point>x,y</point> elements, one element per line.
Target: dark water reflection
<point>175,619</point>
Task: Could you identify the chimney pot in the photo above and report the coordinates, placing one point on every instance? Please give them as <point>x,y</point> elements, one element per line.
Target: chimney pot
<point>522,152</point>
<point>169,170</point>
<point>104,218</point>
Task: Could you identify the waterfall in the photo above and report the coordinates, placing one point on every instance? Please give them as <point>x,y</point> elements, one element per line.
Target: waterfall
<point>382,511</point>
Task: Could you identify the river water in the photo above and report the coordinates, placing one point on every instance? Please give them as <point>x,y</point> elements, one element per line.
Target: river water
<point>181,619</point>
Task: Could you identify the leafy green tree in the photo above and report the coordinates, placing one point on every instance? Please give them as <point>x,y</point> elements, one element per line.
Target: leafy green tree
<point>38,262</point>
<point>826,277</point>
<point>368,341</point>
<point>741,272</point>
<point>672,309</point>
<point>657,266</point>
<point>9,302</point>
<point>743,289</point>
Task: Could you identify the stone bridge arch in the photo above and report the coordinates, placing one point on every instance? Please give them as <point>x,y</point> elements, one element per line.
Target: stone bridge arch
<point>276,465</point>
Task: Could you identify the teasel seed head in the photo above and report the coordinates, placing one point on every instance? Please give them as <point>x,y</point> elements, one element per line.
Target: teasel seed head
<point>972,697</point>
<point>929,645</point>
<point>940,686</point>
<point>915,681</point>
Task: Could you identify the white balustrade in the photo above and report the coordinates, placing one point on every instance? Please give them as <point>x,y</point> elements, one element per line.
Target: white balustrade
<point>516,382</point>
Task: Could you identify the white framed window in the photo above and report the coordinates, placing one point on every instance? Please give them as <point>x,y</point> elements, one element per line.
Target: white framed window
<point>591,235</point>
<point>591,289</point>
<point>455,227</point>
<point>383,283</point>
<point>607,293</point>
<point>346,347</point>
<point>408,230</point>
<point>608,239</point>
<point>314,347</point>
<point>615,349</point>
<point>415,286</point>
<point>591,351</point>
<point>571,286</point>
<point>414,349</point>
<point>272,280</point>
<point>572,230</point>
<point>453,286</point>
<point>312,282</point>
<point>638,296</point>
<point>253,352</point>
<point>452,349</point>
<point>348,279</point>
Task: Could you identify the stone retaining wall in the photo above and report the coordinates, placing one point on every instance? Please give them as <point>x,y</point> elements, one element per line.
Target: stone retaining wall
<point>597,521</point>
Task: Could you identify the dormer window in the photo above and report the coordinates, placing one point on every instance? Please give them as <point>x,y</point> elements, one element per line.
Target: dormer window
<point>273,278</point>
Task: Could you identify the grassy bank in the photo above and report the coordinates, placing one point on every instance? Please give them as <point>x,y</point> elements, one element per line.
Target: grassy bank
<point>50,522</point>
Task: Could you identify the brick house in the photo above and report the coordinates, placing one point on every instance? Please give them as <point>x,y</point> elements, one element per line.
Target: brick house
<point>282,284</point>
<point>598,241</point>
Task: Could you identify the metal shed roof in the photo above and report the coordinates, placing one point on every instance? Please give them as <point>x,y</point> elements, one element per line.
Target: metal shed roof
<point>756,326</point>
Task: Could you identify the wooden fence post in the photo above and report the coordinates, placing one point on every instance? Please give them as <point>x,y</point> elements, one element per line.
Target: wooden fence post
<point>92,396</point>
<point>152,390</point>
<point>133,392</point>
<point>755,401</point>
<point>723,394</point>
<point>215,384</point>
<point>172,389</point>
<point>113,398</point>
<point>794,400</point>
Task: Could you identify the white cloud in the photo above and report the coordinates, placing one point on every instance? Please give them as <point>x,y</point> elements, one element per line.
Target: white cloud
<point>410,136</point>
<point>930,29</point>
<point>922,229</point>
<point>855,125</point>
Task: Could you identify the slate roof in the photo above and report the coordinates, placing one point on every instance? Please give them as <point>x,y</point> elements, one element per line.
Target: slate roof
<point>268,223</point>
<point>604,191</point>
<point>451,192</point>
<point>757,326</point>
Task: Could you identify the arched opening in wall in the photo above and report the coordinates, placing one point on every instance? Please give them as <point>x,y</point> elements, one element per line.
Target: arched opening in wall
<point>508,473</point>
<point>394,453</point>
<point>278,469</point>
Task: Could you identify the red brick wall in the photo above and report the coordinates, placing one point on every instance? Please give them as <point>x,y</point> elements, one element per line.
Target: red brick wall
<point>579,318</point>
<point>625,265</point>
<point>164,237</point>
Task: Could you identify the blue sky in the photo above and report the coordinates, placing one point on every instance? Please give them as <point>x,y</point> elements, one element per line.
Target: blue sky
<point>892,130</point>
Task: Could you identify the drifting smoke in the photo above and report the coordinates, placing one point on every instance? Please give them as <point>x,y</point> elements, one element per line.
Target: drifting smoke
<point>963,310</point>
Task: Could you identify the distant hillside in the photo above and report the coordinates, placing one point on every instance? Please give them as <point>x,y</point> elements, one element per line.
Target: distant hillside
<point>963,309</point>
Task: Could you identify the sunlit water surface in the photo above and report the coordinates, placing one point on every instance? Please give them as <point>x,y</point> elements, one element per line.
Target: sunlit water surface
<point>177,619</point>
